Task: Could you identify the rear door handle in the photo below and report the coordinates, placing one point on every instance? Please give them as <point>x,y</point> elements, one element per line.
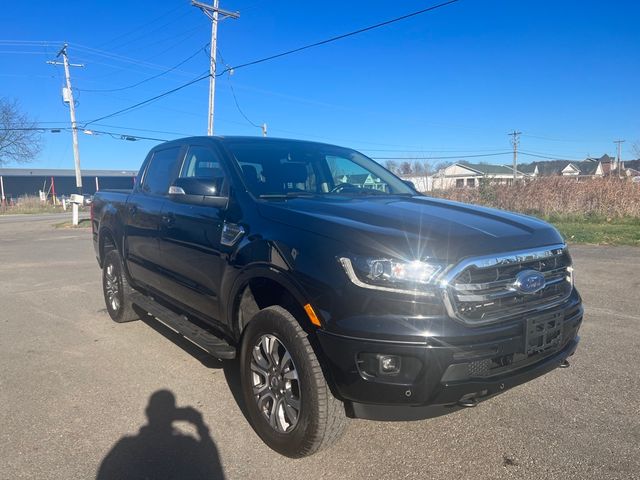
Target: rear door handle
<point>133,209</point>
<point>168,219</point>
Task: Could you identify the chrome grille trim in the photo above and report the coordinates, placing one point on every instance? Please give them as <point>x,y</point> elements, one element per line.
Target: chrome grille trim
<point>549,275</point>
<point>459,295</point>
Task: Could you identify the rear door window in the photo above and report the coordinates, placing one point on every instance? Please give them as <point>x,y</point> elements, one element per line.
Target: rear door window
<point>161,171</point>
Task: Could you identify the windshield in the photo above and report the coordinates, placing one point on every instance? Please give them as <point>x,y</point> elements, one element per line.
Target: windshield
<point>291,168</point>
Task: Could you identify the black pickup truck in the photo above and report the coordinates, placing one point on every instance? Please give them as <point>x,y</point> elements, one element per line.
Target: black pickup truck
<point>342,290</point>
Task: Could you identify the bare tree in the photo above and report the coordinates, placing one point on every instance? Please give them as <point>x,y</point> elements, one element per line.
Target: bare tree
<point>420,167</point>
<point>636,149</point>
<point>440,166</point>
<point>405,168</point>
<point>391,165</point>
<point>20,140</point>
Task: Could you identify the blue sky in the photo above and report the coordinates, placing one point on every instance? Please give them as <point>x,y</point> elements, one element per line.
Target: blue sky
<point>451,82</point>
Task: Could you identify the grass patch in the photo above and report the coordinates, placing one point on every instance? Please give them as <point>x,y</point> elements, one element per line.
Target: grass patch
<point>30,209</point>
<point>82,223</point>
<point>598,230</point>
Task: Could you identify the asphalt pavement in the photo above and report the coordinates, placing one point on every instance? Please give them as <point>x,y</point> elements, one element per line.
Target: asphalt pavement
<point>82,396</point>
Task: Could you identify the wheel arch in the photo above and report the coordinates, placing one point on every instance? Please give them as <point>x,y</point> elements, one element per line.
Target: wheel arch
<point>261,287</point>
<point>106,242</point>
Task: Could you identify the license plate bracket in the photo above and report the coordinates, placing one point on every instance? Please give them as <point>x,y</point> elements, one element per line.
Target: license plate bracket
<point>543,333</point>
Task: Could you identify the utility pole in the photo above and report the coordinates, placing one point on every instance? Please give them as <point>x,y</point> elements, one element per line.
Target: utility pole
<point>67,95</point>
<point>618,156</point>
<point>515,141</point>
<point>213,12</point>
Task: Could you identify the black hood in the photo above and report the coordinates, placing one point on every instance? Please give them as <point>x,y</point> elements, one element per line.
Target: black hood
<point>412,227</point>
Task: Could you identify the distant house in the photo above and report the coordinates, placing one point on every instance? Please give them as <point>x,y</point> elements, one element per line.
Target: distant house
<point>588,168</point>
<point>363,180</point>
<point>423,183</point>
<point>461,175</point>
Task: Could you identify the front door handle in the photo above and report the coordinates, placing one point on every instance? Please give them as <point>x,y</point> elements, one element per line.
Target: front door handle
<point>168,219</point>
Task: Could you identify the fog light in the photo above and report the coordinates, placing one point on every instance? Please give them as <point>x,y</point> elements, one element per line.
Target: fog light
<point>389,364</point>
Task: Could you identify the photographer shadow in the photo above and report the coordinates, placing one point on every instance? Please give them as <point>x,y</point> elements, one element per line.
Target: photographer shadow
<point>160,451</point>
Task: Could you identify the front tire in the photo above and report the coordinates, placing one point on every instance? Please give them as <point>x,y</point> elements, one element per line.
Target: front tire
<point>287,397</point>
<point>116,289</point>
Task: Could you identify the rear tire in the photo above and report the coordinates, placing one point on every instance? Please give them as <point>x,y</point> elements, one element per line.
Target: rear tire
<point>116,289</point>
<point>288,401</point>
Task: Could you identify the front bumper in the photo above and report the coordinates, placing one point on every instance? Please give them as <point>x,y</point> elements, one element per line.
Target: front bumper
<point>443,369</point>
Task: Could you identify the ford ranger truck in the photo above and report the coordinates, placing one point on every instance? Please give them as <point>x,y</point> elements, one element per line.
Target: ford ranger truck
<point>341,290</point>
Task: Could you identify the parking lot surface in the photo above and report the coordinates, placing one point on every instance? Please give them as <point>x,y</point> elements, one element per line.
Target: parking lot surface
<point>79,393</point>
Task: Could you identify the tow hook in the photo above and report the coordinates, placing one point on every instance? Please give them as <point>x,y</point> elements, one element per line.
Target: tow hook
<point>565,364</point>
<point>468,402</point>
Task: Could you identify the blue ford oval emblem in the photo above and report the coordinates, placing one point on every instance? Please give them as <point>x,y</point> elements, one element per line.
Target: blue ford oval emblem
<point>529,281</point>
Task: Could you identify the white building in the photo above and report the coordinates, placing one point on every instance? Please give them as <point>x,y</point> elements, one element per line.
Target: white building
<point>461,175</point>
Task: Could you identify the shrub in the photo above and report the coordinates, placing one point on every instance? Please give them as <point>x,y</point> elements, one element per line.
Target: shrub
<point>556,197</point>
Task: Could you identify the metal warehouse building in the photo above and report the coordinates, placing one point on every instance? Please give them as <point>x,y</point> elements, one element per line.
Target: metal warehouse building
<point>16,182</point>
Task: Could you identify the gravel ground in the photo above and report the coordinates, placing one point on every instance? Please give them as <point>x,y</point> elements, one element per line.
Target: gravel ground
<point>73,384</point>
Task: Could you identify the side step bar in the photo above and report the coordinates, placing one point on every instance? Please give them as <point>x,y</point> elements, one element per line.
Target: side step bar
<point>204,339</point>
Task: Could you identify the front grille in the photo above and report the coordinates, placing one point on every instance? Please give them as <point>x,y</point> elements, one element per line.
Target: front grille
<point>485,290</point>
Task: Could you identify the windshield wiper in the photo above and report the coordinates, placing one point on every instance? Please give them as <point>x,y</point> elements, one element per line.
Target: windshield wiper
<point>363,191</point>
<point>287,195</point>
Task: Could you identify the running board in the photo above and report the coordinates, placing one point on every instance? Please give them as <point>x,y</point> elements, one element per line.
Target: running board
<point>204,339</point>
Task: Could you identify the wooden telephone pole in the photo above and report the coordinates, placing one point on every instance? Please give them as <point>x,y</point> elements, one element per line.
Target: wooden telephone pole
<point>213,12</point>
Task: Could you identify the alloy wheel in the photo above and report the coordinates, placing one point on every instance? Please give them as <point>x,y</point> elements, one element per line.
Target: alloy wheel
<point>112,287</point>
<point>276,387</point>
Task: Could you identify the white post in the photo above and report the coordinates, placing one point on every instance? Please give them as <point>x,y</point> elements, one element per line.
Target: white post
<point>97,185</point>
<point>2,189</point>
<point>75,213</point>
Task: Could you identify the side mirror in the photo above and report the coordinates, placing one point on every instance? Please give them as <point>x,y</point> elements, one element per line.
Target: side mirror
<point>198,191</point>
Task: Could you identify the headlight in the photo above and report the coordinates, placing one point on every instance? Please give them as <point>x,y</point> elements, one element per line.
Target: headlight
<point>413,277</point>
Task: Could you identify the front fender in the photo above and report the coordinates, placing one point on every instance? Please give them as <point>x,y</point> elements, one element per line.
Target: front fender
<point>255,271</point>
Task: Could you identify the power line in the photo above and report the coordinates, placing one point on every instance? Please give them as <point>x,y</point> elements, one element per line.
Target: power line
<point>146,79</point>
<point>34,43</point>
<point>138,29</point>
<point>121,136</point>
<point>548,157</point>
<point>115,135</point>
<point>552,139</point>
<point>272,57</point>
<point>443,158</point>
<point>182,134</point>
<point>170,23</point>
<point>235,98</point>
<point>121,58</point>
<point>427,150</point>
<point>344,35</point>
<point>149,100</point>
